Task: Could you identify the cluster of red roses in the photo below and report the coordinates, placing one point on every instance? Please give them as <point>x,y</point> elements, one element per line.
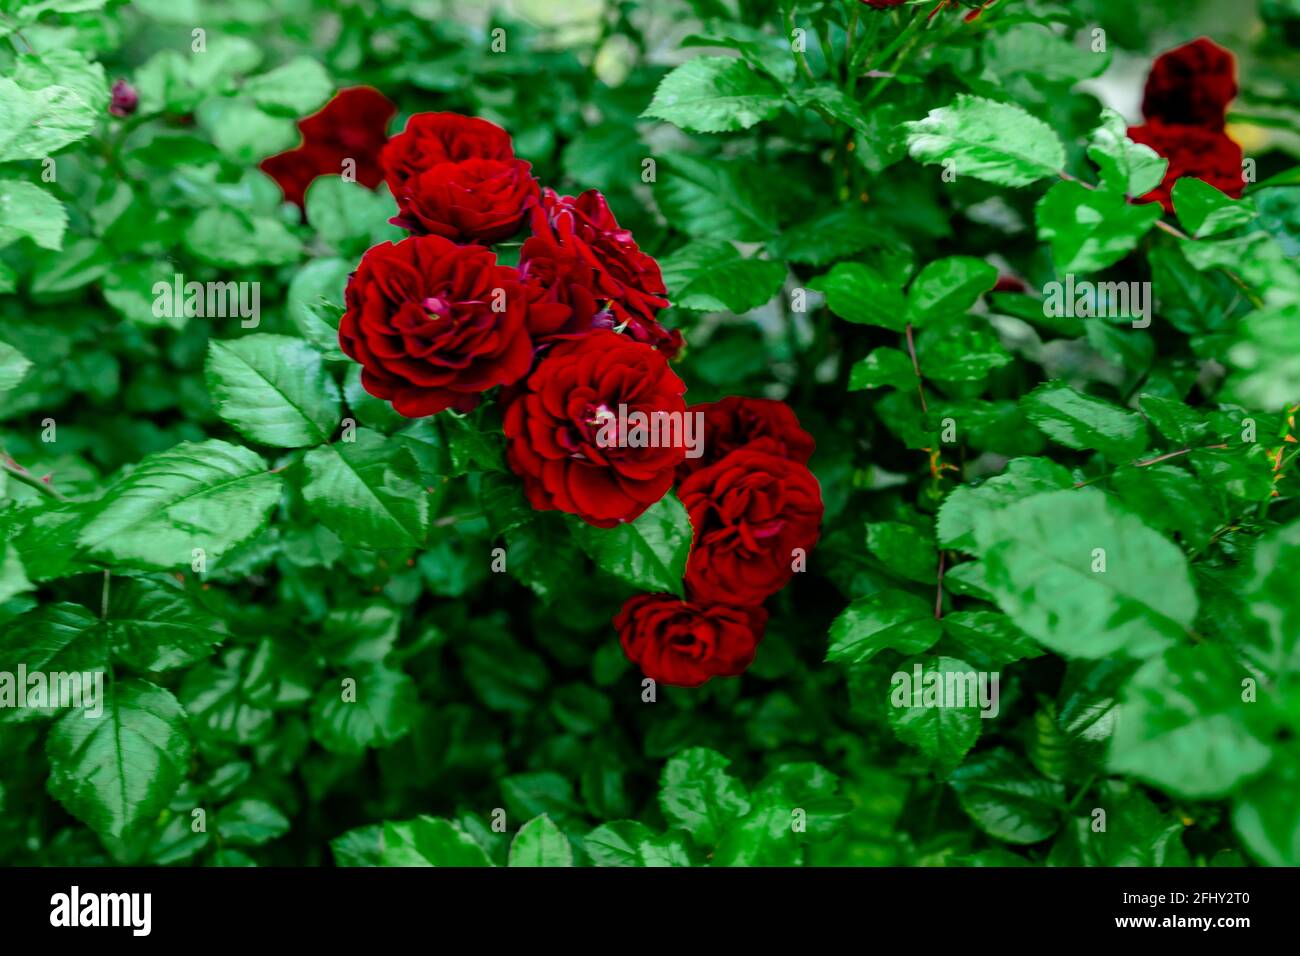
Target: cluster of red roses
<point>1184,104</point>
<point>571,334</point>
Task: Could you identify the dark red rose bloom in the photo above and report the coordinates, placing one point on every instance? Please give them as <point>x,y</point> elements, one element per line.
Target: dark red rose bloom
<point>759,424</point>
<point>434,138</point>
<point>457,177</point>
<point>125,99</point>
<point>684,644</point>
<point>565,439</point>
<point>1191,85</point>
<point>1192,151</point>
<point>624,281</point>
<point>1009,283</point>
<point>433,324</point>
<point>750,511</point>
<point>353,125</point>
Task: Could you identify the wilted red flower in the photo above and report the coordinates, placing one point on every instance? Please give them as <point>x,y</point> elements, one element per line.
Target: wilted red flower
<point>563,432</point>
<point>750,512</point>
<point>625,281</point>
<point>1191,85</point>
<point>1197,151</point>
<point>353,125</point>
<point>683,643</point>
<point>457,177</point>
<point>434,324</point>
<point>759,424</point>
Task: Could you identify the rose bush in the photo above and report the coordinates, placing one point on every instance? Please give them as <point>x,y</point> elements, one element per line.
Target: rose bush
<point>592,435</point>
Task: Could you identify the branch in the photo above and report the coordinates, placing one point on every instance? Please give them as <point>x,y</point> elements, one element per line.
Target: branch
<point>11,467</point>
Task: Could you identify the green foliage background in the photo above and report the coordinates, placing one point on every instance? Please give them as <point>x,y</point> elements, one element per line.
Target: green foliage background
<point>807,235</point>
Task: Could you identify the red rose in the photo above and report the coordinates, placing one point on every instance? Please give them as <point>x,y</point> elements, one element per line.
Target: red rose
<point>433,324</point>
<point>625,281</point>
<point>1192,151</point>
<point>456,176</point>
<point>750,511</point>
<point>353,125</point>
<point>683,643</point>
<point>564,434</point>
<point>1191,85</point>
<point>759,424</point>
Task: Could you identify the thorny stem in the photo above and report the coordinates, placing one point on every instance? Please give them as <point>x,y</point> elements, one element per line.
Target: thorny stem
<point>1155,460</point>
<point>911,350</point>
<point>11,467</point>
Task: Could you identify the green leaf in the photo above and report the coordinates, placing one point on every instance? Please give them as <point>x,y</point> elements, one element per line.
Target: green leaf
<point>829,236</point>
<point>1041,55</point>
<point>699,795</point>
<point>648,553</point>
<point>1006,799</point>
<point>1205,211</point>
<point>1079,573</point>
<point>250,822</point>
<point>1184,727</point>
<point>206,496</point>
<point>629,843</point>
<point>1127,168</point>
<point>429,841</point>
<point>295,89</point>
<point>1264,362</point>
<point>29,212</point>
<point>36,123</point>
<point>942,731</point>
<point>240,130</point>
<point>52,638</point>
<point>1090,229</point>
<point>966,503</point>
<point>961,350</point>
<point>715,94</point>
<point>996,142</point>
<point>234,239</point>
<point>367,492</point>
<point>347,215</point>
<point>948,287</point>
<point>1273,597</point>
<point>887,619</point>
<point>273,389</point>
<point>376,709</point>
<point>1266,816</point>
<point>122,767</point>
<point>317,283</point>
<point>883,366</point>
<point>14,367</point>
<point>1081,421</point>
<point>715,199</point>
<point>13,577</point>
<point>155,627</point>
<point>1136,833</point>
<point>989,636</point>
<point>540,842</point>
<point>1173,420</point>
<point>904,549</point>
<point>712,277</point>
<point>859,294</point>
